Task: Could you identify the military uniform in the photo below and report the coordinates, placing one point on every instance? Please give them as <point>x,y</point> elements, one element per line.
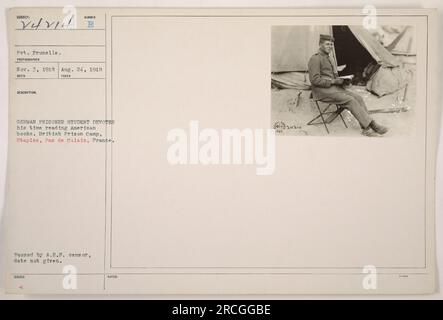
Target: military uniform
<point>321,73</point>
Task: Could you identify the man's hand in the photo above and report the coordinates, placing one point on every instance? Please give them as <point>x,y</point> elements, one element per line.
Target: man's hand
<point>337,81</point>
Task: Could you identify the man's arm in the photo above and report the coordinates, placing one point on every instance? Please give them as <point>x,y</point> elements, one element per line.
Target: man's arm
<point>314,73</point>
<point>315,76</point>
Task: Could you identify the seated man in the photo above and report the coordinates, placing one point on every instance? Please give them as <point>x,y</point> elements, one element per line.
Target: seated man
<point>327,87</point>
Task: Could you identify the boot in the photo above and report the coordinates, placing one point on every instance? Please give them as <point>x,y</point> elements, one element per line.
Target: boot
<point>378,128</point>
<point>369,132</point>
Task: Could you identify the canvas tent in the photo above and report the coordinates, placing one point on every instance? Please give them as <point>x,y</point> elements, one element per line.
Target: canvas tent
<point>292,46</point>
<point>364,56</point>
<point>399,40</point>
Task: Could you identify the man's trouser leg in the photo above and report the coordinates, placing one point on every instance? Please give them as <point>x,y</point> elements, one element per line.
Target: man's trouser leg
<point>348,101</point>
<point>357,97</point>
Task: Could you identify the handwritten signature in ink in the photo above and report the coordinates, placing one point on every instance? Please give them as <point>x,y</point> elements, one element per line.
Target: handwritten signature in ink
<point>42,23</point>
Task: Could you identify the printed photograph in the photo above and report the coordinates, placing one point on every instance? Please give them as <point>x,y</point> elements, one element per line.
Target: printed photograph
<point>343,80</point>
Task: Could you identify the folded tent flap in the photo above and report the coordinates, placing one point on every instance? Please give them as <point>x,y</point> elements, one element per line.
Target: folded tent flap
<point>291,80</point>
<point>387,80</point>
<point>375,48</point>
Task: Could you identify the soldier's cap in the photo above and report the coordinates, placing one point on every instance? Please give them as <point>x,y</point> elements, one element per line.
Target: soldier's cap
<point>326,37</point>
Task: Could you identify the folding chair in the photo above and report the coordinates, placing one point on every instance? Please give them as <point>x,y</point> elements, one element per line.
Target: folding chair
<point>332,115</point>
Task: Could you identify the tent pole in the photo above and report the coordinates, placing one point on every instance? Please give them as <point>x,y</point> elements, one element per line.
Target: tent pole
<point>333,48</point>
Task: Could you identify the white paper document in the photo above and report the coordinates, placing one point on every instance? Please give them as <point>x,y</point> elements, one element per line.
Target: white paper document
<point>216,151</point>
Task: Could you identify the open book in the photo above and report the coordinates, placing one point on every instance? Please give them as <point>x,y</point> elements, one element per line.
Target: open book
<point>347,79</point>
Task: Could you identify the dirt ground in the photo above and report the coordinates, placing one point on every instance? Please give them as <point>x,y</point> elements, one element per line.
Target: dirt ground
<point>290,113</point>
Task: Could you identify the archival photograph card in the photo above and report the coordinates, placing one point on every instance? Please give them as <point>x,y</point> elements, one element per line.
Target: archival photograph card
<point>221,151</point>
